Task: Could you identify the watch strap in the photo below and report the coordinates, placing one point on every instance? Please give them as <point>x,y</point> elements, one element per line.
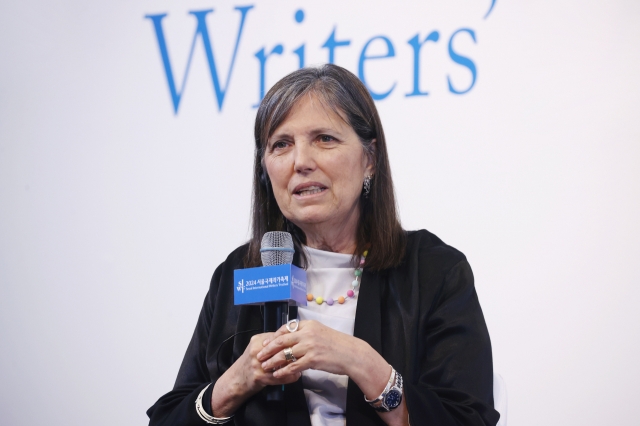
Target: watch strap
<point>374,401</point>
<point>393,385</point>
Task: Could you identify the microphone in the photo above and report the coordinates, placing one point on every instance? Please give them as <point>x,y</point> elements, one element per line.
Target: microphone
<point>276,248</point>
<point>276,285</point>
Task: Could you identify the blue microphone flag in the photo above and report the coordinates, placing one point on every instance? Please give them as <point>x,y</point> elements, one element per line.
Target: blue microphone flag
<point>269,284</point>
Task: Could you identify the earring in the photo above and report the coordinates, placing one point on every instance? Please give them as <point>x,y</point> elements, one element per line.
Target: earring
<point>367,185</point>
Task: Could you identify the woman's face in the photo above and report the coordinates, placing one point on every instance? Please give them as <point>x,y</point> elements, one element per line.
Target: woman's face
<point>317,165</point>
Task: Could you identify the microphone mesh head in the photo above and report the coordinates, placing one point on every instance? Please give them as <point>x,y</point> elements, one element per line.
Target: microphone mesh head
<point>276,240</point>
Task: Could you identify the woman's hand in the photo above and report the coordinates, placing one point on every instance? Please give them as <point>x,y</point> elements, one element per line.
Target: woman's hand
<point>319,347</point>
<point>315,346</point>
<point>245,378</point>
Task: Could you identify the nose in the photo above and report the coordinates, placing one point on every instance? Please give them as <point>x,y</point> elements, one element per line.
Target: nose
<point>304,161</point>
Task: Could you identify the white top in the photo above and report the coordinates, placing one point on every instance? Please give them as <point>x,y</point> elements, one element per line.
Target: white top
<point>329,275</point>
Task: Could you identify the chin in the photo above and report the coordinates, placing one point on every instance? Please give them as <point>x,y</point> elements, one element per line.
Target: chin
<point>308,218</point>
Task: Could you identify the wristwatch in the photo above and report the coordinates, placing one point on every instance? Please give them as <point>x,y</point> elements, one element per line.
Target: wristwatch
<point>391,396</point>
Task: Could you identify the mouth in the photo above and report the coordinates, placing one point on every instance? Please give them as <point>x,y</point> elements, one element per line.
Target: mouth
<point>306,190</point>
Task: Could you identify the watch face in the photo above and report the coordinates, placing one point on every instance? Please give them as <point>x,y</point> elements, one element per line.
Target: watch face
<point>393,399</point>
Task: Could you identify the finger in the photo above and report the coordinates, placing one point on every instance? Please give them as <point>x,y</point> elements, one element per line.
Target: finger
<point>280,360</point>
<point>267,378</point>
<point>279,332</point>
<point>290,369</point>
<point>260,336</point>
<point>286,379</point>
<point>278,344</point>
<point>282,331</point>
<point>274,363</point>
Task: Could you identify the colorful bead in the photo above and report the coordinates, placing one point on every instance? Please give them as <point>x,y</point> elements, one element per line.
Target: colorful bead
<point>350,293</point>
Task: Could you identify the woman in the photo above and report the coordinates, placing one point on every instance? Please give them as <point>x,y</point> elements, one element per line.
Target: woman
<point>404,341</point>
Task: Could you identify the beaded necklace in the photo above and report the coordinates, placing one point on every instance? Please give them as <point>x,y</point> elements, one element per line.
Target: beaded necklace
<point>351,293</point>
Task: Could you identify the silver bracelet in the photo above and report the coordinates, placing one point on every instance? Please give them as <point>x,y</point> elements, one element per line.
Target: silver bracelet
<point>205,416</point>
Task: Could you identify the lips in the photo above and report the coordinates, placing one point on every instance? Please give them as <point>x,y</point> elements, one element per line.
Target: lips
<point>310,188</point>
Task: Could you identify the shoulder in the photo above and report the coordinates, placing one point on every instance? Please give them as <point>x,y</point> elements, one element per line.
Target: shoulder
<point>423,245</point>
<point>439,272</point>
<point>236,257</point>
<point>220,294</point>
<point>431,262</point>
<point>233,261</point>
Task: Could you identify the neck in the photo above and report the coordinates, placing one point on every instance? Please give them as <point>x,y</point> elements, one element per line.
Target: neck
<point>335,245</point>
<point>335,237</point>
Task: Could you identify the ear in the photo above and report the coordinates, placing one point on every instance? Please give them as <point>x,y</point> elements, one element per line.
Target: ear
<point>370,155</point>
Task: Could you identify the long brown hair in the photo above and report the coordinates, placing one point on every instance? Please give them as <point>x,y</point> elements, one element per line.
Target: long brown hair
<point>379,229</point>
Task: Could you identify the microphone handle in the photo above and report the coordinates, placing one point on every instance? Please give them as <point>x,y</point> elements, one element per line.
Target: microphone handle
<point>275,315</point>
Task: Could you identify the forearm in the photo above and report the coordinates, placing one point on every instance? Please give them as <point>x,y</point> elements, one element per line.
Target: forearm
<point>370,371</point>
<point>230,392</point>
<point>176,407</point>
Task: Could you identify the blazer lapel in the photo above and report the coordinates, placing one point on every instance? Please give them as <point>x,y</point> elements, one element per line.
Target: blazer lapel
<point>296,402</point>
<point>368,327</point>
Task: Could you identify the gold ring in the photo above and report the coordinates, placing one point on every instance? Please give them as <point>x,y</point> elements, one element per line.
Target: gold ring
<point>288,355</point>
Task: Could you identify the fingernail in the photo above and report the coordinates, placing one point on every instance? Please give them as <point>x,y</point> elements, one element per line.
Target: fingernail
<point>266,342</point>
<point>264,365</point>
<point>259,355</point>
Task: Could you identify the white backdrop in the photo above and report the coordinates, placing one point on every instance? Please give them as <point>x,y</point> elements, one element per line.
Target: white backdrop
<point>114,210</point>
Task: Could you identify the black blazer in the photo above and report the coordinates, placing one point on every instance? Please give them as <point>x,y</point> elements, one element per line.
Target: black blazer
<point>423,317</point>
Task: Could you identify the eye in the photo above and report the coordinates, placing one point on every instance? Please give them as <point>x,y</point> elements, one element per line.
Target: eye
<point>278,145</point>
<point>327,138</point>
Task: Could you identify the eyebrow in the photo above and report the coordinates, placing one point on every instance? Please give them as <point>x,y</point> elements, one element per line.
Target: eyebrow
<point>314,132</point>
